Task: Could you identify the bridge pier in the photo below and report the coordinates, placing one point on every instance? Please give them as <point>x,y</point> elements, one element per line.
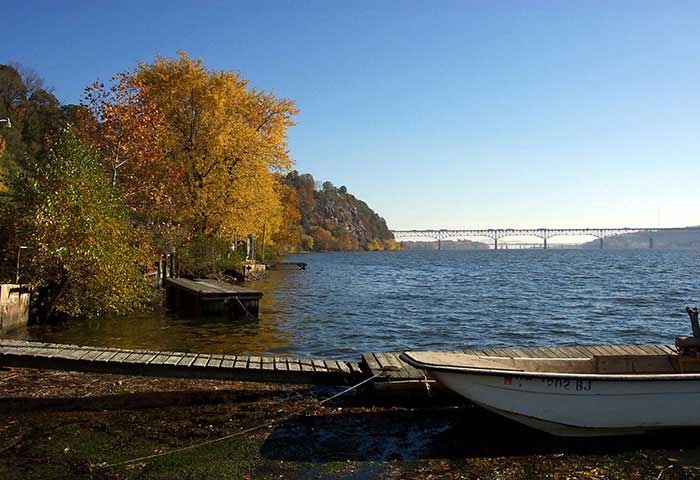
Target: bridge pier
<point>495,243</point>
<point>601,242</point>
<point>651,242</point>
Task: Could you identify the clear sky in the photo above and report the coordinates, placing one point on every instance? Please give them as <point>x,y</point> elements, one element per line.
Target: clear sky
<point>438,114</point>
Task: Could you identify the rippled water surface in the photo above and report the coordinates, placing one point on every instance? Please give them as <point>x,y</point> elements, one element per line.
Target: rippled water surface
<point>345,304</point>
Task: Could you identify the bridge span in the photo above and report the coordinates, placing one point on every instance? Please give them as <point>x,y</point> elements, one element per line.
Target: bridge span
<point>496,234</point>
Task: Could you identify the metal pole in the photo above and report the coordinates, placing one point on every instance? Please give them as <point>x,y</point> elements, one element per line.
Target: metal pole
<point>19,249</point>
<point>262,253</point>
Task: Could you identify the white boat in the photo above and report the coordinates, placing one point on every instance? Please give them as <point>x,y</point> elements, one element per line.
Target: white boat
<point>587,396</point>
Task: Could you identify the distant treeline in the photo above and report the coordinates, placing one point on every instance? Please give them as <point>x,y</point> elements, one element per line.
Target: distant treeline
<point>684,239</point>
<point>444,245</point>
<point>168,157</point>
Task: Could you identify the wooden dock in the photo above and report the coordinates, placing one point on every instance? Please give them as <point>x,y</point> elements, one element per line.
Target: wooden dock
<point>203,297</point>
<point>392,374</point>
<point>15,353</point>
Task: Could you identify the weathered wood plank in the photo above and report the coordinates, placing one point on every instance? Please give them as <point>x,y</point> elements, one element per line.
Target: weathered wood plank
<point>131,358</point>
<point>319,366</point>
<point>371,363</point>
<point>293,365</point>
<point>306,365</point>
<point>281,364</point>
<point>215,361</point>
<point>255,362</point>
<point>228,361</point>
<point>201,360</point>
<point>668,349</point>
<point>268,363</point>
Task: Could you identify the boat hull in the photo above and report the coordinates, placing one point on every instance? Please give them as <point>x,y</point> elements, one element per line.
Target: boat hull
<point>582,406</point>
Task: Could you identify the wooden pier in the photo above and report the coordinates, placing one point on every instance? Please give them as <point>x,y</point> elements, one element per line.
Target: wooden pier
<point>392,374</point>
<point>203,297</point>
<point>16,353</point>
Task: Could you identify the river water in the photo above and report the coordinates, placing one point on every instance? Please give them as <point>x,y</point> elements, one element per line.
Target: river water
<point>345,304</point>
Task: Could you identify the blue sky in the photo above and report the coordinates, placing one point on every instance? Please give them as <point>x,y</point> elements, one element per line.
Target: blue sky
<point>438,114</point>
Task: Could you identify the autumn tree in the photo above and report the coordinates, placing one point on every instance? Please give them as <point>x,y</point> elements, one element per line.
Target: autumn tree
<point>83,257</point>
<point>288,232</point>
<point>195,151</point>
<point>224,139</point>
<point>36,115</point>
<point>128,132</point>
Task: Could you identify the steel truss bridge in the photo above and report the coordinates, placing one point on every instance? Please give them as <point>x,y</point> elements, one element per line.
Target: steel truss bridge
<point>496,234</point>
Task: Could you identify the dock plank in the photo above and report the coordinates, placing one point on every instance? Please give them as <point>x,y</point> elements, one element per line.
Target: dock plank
<point>268,363</point>
<point>201,360</point>
<point>215,361</point>
<point>228,361</point>
<point>241,362</point>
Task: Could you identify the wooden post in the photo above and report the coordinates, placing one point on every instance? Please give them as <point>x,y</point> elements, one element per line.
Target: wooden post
<point>164,267</point>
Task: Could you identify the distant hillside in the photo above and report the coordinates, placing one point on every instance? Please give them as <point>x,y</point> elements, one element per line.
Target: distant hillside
<point>333,219</point>
<point>687,239</point>
<point>445,245</point>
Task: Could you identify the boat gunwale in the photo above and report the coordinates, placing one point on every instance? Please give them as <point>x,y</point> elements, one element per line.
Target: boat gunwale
<point>607,377</point>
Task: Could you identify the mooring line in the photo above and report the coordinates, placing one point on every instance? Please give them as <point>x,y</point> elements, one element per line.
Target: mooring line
<point>248,314</point>
<point>242,432</point>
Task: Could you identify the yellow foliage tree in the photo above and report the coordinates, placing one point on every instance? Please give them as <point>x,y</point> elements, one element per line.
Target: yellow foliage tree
<point>223,140</point>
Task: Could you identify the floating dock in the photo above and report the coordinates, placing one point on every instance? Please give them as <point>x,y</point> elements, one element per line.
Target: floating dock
<point>286,266</point>
<point>390,371</point>
<point>203,297</point>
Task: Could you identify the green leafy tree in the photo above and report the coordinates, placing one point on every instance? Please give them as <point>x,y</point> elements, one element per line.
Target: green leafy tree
<point>82,253</point>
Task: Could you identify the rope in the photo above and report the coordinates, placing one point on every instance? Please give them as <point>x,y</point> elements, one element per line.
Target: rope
<point>247,313</point>
<point>242,432</point>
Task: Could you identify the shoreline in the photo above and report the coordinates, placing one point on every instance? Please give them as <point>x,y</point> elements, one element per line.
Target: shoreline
<point>60,424</point>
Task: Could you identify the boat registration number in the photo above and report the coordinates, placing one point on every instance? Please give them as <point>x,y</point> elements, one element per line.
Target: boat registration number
<point>555,383</point>
<point>565,384</point>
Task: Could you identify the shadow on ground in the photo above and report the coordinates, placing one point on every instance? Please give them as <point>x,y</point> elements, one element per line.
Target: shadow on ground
<point>140,400</point>
<point>447,432</point>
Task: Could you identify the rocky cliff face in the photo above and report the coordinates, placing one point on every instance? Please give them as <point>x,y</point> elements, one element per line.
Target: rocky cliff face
<point>333,219</point>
